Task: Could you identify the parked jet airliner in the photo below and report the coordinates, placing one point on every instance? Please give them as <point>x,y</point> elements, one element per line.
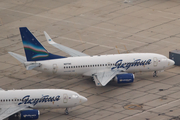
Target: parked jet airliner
<point>103,68</point>
<point>25,102</point>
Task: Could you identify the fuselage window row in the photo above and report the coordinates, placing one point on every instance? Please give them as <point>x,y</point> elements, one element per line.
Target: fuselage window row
<point>9,100</point>
<point>82,66</point>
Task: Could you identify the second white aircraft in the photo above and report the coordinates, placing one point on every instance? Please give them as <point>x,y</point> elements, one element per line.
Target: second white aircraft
<point>24,103</point>
<point>103,68</point>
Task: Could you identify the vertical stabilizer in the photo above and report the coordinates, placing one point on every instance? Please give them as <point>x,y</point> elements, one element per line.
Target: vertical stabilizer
<point>33,49</point>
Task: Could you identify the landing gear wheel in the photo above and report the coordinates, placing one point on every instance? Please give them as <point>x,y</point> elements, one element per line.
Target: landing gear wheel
<point>155,74</point>
<point>66,111</point>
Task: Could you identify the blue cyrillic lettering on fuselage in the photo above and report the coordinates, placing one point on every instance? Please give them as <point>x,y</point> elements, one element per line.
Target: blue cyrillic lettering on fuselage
<point>46,98</point>
<point>138,62</point>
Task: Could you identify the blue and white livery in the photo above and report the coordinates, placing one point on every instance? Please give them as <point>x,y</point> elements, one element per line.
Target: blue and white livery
<point>103,68</point>
<point>24,103</point>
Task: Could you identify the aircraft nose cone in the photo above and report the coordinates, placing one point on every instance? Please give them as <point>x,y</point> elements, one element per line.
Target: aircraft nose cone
<point>82,99</point>
<point>171,62</point>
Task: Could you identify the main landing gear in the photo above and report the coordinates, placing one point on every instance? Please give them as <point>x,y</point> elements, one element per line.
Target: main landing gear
<point>155,74</point>
<point>66,111</point>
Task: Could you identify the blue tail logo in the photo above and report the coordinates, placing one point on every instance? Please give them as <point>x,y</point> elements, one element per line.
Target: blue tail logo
<point>38,52</point>
<point>33,49</point>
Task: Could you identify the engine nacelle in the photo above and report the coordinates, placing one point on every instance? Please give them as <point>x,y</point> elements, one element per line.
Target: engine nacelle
<point>29,114</point>
<point>124,78</point>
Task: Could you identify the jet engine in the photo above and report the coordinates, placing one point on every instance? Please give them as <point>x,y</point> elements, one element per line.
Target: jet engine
<point>124,78</point>
<point>29,114</point>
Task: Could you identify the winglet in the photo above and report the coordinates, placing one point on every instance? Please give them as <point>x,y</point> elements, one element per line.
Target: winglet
<point>50,41</point>
<point>67,50</point>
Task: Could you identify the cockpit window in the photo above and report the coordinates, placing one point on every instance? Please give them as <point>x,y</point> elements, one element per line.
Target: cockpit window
<point>75,96</point>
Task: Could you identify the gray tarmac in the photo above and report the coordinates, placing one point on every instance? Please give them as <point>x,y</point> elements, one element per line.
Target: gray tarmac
<point>97,27</point>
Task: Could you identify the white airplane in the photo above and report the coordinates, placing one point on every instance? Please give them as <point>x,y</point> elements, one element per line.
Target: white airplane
<point>103,68</point>
<point>26,102</point>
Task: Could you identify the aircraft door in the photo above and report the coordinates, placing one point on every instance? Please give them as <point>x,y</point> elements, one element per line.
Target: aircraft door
<point>155,61</point>
<point>55,68</point>
<point>65,98</point>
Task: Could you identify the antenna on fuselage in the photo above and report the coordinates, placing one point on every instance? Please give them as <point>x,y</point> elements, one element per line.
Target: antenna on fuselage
<point>117,49</point>
<point>126,48</point>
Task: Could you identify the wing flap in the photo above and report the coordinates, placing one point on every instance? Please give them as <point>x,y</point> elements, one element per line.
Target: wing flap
<point>102,78</point>
<point>8,110</point>
<point>72,52</point>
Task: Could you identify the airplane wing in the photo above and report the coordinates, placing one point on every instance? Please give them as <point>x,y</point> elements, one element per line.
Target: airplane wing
<point>102,78</point>
<point>8,110</point>
<point>72,52</point>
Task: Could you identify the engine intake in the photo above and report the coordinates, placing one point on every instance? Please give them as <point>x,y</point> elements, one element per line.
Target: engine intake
<point>124,78</point>
<point>29,114</point>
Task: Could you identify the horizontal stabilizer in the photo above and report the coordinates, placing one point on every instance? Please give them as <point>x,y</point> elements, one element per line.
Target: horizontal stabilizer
<point>20,58</point>
<point>1,89</point>
<point>32,66</point>
<point>72,52</point>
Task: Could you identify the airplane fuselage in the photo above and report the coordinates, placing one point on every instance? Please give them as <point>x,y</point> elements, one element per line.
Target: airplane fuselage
<point>88,65</point>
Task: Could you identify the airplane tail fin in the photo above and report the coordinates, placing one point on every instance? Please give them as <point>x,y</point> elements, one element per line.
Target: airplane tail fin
<point>33,49</point>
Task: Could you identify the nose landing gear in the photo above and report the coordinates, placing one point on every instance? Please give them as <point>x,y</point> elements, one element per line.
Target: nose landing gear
<point>66,111</point>
<point>155,74</point>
